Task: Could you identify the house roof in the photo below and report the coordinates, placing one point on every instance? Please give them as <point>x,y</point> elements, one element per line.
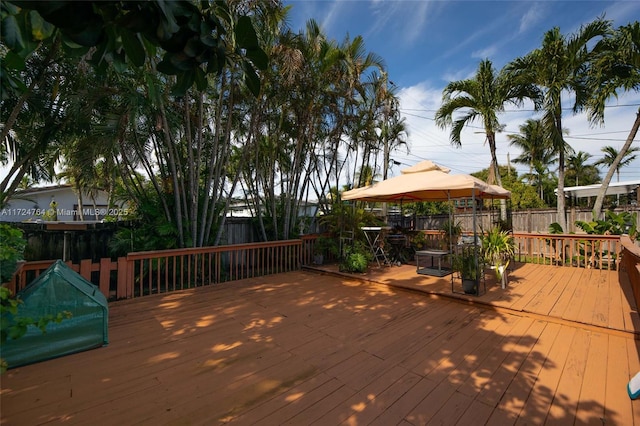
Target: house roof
<point>42,189</point>
<point>592,190</point>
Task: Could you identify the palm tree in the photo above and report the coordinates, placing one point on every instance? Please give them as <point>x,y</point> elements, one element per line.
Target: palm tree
<point>537,152</point>
<point>482,98</point>
<point>532,143</point>
<point>617,67</point>
<point>558,67</point>
<point>610,155</point>
<point>578,171</point>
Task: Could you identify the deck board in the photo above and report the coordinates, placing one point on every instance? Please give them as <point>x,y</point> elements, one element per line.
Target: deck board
<point>386,347</point>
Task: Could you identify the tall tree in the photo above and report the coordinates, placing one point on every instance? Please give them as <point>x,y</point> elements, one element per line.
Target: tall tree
<point>117,36</point>
<point>578,172</point>
<point>537,152</point>
<point>610,156</point>
<point>559,67</point>
<point>482,98</point>
<point>616,68</point>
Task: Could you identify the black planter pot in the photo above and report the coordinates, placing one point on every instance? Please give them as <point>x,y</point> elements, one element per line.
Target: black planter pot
<point>469,286</point>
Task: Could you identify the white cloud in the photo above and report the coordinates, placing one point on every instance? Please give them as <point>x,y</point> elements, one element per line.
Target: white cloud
<point>427,141</point>
<point>487,52</point>
<point>532,17</point>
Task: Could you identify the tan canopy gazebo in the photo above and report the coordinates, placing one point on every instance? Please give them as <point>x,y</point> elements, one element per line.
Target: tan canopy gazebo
<point>427,181</point>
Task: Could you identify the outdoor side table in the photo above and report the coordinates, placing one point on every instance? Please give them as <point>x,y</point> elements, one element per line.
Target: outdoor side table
<point>375,239</point>
<point>435,255</point>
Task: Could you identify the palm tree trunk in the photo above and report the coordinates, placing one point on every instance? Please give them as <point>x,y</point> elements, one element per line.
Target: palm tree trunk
<point>177,187</point>
<point>597,207</point>
<point>561,216</point>
<point>491,137</point>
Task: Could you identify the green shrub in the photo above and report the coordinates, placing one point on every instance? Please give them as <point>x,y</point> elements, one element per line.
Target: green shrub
<point>356,258</point>
<point>12,245</point>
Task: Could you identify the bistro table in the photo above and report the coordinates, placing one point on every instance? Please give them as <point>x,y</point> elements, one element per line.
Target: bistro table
<point>375,238</point>
<point>435,255</point>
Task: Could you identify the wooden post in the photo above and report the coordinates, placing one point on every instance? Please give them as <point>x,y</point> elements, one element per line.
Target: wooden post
<point>123,273</point>
<point>85,269</point>
<point>105,276</point>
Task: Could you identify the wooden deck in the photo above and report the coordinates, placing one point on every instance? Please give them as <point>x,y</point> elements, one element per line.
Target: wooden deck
<point>556,347</point>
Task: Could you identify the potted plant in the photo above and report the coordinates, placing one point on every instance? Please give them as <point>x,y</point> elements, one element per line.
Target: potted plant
<point>468,265</point>
<point>498,248</point>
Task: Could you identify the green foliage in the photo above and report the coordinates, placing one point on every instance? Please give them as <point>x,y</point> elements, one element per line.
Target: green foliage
<point>419,240</point>
<point>452,227</point>
<point>524,196</point>
<point>122,34</point>
<point>14,327</point>
<point>52,212</point>
<point>613,224</point>
<point>356,258</point>
<point>347,217</point>
<point>452,231</point>
<point>12,245</point>
<point>555,228</point>
<point>326,245</point>
<point>498,247</point>
<point>467,263</point>
<point>427,208</point>
<point>151,231</point>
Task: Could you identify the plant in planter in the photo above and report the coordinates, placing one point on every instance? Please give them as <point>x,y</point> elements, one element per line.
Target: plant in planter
<point>419,241</point>
<point>497,249</point>
<point>468,265</point>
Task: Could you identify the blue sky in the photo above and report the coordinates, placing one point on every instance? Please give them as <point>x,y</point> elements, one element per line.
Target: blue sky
<point>426,44</point>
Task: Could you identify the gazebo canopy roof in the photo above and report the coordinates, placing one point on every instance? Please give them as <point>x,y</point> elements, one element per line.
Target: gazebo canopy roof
<point>426,181</point>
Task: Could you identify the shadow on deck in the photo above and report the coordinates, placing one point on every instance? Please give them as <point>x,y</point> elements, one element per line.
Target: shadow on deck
<point>556,347</point>
<point>599,300</point>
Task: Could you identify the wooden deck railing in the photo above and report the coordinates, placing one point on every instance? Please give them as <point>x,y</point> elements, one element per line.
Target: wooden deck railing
<point>630,263</point>
<point>572,250</point>
<point>152,272</point>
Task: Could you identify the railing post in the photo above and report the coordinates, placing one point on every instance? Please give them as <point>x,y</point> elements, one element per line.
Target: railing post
<point>105,276</point>
<point>85,269</point>
<point>123,274</point>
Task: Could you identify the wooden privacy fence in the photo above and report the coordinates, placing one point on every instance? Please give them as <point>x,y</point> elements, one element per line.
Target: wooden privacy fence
<point>153,272</point>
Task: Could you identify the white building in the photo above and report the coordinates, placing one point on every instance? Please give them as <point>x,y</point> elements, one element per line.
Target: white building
<point>61,203</point>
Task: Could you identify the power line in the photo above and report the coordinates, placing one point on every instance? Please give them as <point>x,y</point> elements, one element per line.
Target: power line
<point>522,109</point>
<point>594,139</point>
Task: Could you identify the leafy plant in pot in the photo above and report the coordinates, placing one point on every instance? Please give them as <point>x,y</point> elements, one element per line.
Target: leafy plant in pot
<point>467,264</point>
<point>498,248</point>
